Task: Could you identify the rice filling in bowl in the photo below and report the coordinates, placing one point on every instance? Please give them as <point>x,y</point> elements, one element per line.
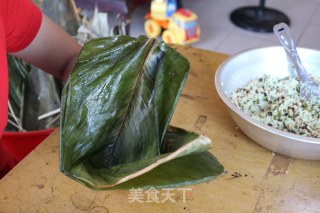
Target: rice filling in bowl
<point>277,103</point>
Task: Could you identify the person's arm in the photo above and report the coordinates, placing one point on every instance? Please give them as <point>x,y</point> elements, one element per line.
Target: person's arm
<point>52,50</point>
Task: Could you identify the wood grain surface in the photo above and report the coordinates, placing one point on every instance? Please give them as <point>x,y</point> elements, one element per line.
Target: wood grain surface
<point>255,179</point>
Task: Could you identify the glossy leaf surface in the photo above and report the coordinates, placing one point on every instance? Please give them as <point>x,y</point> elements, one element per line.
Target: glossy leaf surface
<point>116,108</point>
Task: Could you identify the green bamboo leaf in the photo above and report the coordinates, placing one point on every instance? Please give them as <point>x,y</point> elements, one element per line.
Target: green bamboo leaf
<point>17,79</point>
<point>184,162</point>
<point>116,107</point>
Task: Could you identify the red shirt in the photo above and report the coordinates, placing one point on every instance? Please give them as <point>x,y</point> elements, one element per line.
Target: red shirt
<point>20,21</point>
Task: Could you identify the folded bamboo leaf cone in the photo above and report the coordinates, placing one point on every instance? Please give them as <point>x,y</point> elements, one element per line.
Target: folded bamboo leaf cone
<point>116,109</point>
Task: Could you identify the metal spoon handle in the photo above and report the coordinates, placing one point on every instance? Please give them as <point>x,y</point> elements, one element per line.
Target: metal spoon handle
<point>283,34</point>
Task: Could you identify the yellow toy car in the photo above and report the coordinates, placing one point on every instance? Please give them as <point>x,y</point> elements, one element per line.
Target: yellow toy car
<point>177,26</point>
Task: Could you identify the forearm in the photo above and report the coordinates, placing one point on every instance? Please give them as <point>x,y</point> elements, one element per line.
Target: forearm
<point>68,68</point>
<point>52,50</point>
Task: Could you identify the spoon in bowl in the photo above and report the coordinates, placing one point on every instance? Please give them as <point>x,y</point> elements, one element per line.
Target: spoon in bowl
<point>308,88</point>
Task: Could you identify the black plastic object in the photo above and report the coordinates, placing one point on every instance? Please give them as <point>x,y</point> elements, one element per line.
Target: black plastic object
<point>258,19</point>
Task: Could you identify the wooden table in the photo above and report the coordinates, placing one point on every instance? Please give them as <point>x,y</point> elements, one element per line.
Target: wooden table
<point>255,179</point>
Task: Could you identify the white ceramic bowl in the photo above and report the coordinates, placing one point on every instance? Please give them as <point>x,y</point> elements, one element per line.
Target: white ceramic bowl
<point>239,69</point>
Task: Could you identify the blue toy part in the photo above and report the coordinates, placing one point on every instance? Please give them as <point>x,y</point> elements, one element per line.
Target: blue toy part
<point>171,7</point>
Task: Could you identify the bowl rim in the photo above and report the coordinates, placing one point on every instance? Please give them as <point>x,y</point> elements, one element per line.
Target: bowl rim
<point>247,117</point>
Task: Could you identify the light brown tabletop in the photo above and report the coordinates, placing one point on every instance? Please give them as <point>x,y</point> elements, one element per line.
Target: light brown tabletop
<point>255,179</point>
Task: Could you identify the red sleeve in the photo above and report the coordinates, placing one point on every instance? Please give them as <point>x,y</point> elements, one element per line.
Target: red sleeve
<point>23,20</point>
